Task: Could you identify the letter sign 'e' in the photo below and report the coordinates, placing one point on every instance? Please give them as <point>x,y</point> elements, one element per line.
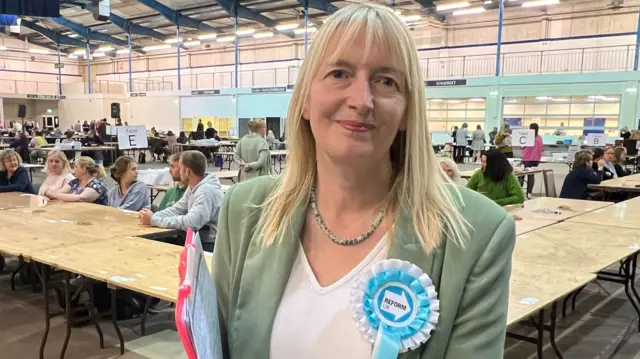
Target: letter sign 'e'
<point>132,141</point>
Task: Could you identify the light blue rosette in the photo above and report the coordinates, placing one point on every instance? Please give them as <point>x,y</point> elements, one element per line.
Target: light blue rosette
<point>396,307</point>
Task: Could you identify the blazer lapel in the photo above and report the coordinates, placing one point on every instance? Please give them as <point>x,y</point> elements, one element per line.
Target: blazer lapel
<point>264,279</point>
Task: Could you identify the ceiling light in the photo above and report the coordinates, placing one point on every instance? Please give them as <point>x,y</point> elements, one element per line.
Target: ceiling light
<point>2,48</point>
<point>207,36</point>
<point>544,98</point>
<point>229,38</point>
<point>72,56</point>
<point>122,51</point>
<point>79,51</point>
<point>632,90</point>
<point>105,49</point>
<point>410,18</point>
<point>435,100</point>
<point>99,54</point>
<point>73,35</point>
<point>191,43</point>
<point>454,101</point>
<point>156,47</point>
<point>469,11</point>
<point>561,99</point>
<point>452,6</point>
<point>488,2</point>
<point>287,26</point>
<point>476,100</point>
<point>540,3</point>
<point>38,51</point>
<point>262,35</point>
<point>173,40</point>
<point>307,30</point>
<point>245,31</point>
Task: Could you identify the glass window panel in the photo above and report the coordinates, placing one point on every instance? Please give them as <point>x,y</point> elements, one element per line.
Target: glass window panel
<point>537,109</point>
<point>607,108</point>
<point>558,109</point>
<point>438,126</point>
<point>578,108</point>
<point>513,109</point>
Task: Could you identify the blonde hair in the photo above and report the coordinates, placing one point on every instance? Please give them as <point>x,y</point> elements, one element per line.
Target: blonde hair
<point>256,124</point>
<point>503,129</point>
<point>417,190</point>
<point>8,153</point>
<point>90,166</point>
<point>453,166</point>
<point>66,167</point>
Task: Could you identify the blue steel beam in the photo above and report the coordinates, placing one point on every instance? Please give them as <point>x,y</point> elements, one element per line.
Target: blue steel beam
<point>124,24</point>
<point>322,5</point>
<point>52,35</point>
<point>84,32</point>
<point>177,18</point>
<point>425,3</point>
<point>233,8</point>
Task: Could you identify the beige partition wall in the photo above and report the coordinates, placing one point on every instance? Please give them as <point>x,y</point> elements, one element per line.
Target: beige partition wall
<point>161,112</point>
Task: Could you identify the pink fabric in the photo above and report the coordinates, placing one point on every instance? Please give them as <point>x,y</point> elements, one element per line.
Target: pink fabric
<point>533,153</point>
<point>55,183</point>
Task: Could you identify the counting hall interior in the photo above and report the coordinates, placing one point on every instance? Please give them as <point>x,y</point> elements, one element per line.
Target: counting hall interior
<point>136,134</point>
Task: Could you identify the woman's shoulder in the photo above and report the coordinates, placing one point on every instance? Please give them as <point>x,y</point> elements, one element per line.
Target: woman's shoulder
<point>250,193</point>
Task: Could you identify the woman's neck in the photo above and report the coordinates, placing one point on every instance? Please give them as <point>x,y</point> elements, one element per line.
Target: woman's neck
<point>124,186</point>
<point>351,188</point>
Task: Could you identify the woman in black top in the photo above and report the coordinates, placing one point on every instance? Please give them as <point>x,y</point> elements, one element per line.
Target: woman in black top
<point>619,159</point>
<point>182,138</point>
<point>576,184</point>
<point>13,177</point>
<point>607,172</point>
<point>86,127</point>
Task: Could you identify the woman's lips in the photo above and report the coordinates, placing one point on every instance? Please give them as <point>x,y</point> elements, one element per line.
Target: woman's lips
<point>355,126</point>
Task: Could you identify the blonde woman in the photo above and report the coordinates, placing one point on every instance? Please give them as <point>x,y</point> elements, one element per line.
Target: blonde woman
<point>88,185</point>
<point>58,172</point>
<point>504,142</point>
<point>450,168</point>
<point>252,152</point>
<point>362,185</point>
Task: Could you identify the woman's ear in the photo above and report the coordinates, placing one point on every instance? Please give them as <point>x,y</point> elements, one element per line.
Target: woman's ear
<point>305,113</point>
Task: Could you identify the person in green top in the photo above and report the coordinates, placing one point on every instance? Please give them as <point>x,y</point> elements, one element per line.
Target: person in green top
<point>503,141</point>
<point>252,152</point>
<point>174,194</point>
<point>496,179</point>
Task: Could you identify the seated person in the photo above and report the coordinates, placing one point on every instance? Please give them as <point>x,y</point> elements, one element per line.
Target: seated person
<point>576,184</point>
<point>182,138</point>
<point>128,193</point>
<point>37,142</point>
<point>619,161</point>
<point>198,208</point>
<point>13,177</point>
<point>93,140</point>
<point>450,168</point>
<point>173,194</point>
<point>88,185</point>
<point>58,172</point>
<point>21,145</point>
<point>496,179</point>
<point>68,137</point>
<point>608,172</point>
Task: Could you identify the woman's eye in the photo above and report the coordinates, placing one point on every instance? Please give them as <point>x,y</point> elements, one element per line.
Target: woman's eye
<point>387,81</point>
<point>338,74</point>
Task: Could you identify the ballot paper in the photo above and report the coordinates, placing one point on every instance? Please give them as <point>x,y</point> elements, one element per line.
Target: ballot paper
<point>197,309</point>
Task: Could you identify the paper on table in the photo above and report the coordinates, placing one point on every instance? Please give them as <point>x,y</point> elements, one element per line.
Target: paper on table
<point>198,304</point>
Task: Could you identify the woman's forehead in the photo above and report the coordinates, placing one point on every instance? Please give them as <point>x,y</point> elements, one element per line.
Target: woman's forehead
<point>363,46</point>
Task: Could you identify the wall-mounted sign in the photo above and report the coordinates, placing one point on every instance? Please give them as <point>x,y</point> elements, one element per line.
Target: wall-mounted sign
<point>205,92</point>
<point>596,139</point>
<point>522,138</point>
<point>58,66</point>
<point>440,83</point>
<point>268,89</point>
<point>138,94</point>
<point>43,97</point>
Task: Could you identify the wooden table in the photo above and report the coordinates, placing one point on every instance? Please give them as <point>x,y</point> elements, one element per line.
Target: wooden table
<point>13,200</point>
<point>526,225</point>
<point>624,184</point>
<point>533,209</point>
<point>621,215</point>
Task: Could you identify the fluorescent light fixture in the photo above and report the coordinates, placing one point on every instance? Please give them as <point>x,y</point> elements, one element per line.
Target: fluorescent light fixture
<point>452,6</point>
<point>469,11</point>
<point>245,31</point>
<point>435,100</point>
<point>99,54</point>
<point>156,47</point>
<point>229,38</point>
<point>80,52</point>
<point>632,90</point>
<point>191,43</point>
<point>72,56</point>
<point>308,30</point>
<point>287,26</point>
<point>39,51</point>
<point>544,98</point>
<point>122,51</point>
<point>173,40</point>
<point>207,36</point>
<point>73,35</point>
<point>105,49</point>
<point>561,99</point>
<point>540,3</point>
<point>454,101</point>
<point>410,18</point>
<point>262,35</point>
<point>476,100</point>
<point>488,2</point>
<point>2,48</point>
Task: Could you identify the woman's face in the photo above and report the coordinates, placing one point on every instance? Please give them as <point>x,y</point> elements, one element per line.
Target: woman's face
<point>623,156</point>
<point>11,163</point>
<point>78,171</point>
<point>356,104</point>
<point>608,154</point>
<point>131,174</point>
<point>483,162</point>
<point>447,170</point>
<point>54,165</point>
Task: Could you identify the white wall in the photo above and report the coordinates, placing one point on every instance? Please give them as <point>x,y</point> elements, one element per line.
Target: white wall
<point>161,112</point>
<point>91,107</point>
<point>34,108</point>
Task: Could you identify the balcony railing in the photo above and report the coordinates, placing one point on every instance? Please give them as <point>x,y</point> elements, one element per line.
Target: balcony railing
<point>585,60</point>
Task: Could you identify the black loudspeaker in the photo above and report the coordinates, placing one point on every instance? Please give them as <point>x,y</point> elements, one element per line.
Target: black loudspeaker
<point>115,110</point>
<point>22,111</point>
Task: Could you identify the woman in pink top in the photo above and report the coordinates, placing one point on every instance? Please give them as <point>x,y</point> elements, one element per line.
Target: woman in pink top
<point>531,158</point>
<point>58,172</point>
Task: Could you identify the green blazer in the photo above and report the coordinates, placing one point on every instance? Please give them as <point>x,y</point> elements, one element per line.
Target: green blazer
<point>507,191</point>
<point>253,149</point>
<point>472,282</point>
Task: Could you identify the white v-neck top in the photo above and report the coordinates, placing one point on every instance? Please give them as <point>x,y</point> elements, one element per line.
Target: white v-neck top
<point>315,322</point>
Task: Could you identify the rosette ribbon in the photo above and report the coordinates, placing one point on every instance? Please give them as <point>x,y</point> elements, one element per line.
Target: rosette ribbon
<point>396,307</point>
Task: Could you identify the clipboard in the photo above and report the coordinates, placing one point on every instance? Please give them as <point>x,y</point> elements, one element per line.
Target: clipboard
<point>196,315</point>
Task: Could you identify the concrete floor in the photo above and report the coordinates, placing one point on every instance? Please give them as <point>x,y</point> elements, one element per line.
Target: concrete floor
<point>604,324</point>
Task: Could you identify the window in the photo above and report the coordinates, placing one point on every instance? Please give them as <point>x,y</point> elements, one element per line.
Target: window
<point>578,114</point>
<point>444,114</point>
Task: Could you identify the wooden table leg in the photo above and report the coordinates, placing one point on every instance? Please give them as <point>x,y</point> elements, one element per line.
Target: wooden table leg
<point>114,319</point>
<point>47,319</point>
<point>67,313</point>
